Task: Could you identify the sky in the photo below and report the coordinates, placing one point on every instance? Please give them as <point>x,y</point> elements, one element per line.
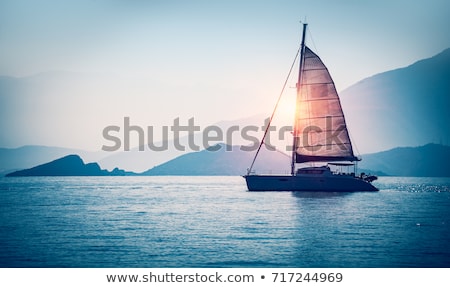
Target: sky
<point>154,61</point>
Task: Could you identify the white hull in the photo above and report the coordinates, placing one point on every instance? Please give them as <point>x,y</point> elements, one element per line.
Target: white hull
<point>325,183</point>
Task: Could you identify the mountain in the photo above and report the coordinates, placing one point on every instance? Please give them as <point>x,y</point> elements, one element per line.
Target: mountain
<point>73,109</point>
<point>405,107</point>
<point>139,159</point>
<point>399,108</point>
<point>402,107</point>
<point>12,159</point>
<point>431,160</point>
<point>222,159</point>
<point>70,165</point>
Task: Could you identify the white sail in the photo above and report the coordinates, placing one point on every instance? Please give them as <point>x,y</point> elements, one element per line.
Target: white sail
<point>320,129</point>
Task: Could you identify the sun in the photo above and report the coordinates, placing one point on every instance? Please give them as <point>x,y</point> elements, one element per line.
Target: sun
<point>285,111</point>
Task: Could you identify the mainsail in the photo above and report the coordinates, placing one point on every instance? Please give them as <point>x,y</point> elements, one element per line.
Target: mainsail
<point>320,129</point>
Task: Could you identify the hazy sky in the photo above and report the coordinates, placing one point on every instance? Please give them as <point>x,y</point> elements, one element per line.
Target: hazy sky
<point>213,60</point>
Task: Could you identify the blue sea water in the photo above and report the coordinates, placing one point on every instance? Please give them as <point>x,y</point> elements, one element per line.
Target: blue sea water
<point>215,222</point>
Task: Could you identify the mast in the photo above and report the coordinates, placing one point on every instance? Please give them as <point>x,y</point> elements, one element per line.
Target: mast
<point>294,145</point>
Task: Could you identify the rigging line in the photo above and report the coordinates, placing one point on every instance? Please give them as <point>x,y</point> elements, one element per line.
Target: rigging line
<point>273,112</point>
<point>282,153</point>
<point>353,144</point>
<point>278,151</point>
<point>312,40</point>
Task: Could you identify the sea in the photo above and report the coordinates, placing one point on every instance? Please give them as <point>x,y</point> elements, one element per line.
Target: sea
<point>197,222</point>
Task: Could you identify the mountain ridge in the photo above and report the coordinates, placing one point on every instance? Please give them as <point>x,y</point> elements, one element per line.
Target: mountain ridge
<point>401,107</point>
<point>70,165</point>
<point>28,156</point>
<point>431,160</point>
<point>396,108</point>
<point>221,159</point>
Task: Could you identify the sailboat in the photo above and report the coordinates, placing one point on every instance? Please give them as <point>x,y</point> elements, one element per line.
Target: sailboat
<point>320,138</point>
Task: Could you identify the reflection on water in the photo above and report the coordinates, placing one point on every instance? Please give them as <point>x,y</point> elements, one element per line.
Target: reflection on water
<point>314,194</point>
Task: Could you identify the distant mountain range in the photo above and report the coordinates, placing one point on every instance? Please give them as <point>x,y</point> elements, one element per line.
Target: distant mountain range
<point>402,107</point>
<point>405,107</point>
<point>398,108</point>
<point>431,160</point>
<point>223,159</point>
<point>140,161</point>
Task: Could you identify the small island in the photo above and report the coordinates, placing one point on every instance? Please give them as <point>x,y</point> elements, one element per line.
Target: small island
<point>70,165</point>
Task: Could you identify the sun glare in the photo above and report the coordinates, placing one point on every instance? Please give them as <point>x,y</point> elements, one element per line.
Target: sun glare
<point>285,111</point>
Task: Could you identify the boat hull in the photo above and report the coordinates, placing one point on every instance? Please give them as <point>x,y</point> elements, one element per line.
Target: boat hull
<point>332,183</point>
